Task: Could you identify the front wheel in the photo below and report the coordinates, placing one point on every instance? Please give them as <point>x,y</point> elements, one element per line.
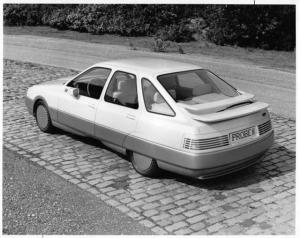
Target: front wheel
<point>144,165</point>
<point>42,117</point>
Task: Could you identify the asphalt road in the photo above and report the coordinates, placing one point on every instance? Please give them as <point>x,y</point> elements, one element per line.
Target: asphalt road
<point>275,87</point>
<point>37,201</point>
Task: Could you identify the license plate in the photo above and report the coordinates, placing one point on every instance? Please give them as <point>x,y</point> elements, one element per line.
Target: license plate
<point>242,135</point>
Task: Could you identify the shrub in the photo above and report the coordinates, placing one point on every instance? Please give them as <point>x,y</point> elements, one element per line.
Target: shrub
<point>159,45</point>
<point>74,21</point>
<point>268,27</point>
<point>177,33</point>
<point>180,50</point>
<point>264,26</point>
<point>19,15</point>
<point>58,19</point>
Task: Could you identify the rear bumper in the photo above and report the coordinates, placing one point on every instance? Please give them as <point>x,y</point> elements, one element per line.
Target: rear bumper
<point>219,163</point>
<point>29,104</point>
<point>213,172</point>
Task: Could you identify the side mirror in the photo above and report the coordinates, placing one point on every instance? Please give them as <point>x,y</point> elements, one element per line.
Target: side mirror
<point>72,91</point>
<point>75,92</point>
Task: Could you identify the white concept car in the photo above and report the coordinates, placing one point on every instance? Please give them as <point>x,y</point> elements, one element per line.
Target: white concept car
<point>165,114</point>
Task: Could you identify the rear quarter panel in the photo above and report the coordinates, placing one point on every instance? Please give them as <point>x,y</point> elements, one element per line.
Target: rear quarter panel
<point>160,129</point>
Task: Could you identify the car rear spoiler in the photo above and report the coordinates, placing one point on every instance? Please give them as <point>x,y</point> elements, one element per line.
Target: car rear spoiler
<point>231,113</point>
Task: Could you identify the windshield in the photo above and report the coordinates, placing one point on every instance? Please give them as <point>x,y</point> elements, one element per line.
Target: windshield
<point>196,86</point>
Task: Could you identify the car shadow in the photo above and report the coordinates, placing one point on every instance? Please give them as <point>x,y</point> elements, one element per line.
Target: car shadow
<point>88,140</point>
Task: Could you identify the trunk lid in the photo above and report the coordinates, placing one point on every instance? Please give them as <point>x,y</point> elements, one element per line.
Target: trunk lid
<point>226,109</point>
<point>231,113</point>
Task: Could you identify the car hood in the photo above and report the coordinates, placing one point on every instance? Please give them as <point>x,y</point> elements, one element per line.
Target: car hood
<point>226,109</point>
<point>59,81</point>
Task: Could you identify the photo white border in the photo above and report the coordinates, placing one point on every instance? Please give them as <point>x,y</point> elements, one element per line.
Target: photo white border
<point>260,2</point>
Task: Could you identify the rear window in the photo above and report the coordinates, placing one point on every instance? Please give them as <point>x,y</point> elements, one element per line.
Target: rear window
<point>196,86</point>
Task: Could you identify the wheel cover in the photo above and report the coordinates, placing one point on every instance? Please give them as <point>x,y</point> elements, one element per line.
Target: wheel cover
<point>141,162</point>
<point>42,116</point>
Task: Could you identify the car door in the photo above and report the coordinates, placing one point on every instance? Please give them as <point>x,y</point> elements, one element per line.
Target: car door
<point>78,112</point>
<point>117,113</point>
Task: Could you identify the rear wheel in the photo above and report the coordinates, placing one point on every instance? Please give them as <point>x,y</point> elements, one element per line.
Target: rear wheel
<point>42,117</point>
<point>144,165</point>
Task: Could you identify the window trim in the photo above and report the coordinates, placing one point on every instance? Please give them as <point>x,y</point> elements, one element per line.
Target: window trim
<point>143,78</point>
<point>110,81</point>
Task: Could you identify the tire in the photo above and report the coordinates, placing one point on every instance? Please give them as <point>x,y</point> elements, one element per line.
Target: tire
<point>144,165</point>
<point>42,118</point>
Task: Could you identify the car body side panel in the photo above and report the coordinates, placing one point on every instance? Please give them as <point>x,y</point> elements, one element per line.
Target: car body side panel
<point>109,134</point>
<point>77,123</point>
<point>67,128</point>
<point>114,122</point>
<point>160,129</point>
<point>77,112</point>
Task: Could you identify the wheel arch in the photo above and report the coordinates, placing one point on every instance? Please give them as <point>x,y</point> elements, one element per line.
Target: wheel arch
<point>36,102</point>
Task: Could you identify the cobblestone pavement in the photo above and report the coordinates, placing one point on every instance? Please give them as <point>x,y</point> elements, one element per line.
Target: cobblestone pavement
<point>257,200</point>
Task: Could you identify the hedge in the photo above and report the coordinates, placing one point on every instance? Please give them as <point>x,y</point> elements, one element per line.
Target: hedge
<point>263,26</point>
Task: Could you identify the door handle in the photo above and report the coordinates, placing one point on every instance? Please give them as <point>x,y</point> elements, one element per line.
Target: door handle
<point>130,116</point>
<point>91,106</point>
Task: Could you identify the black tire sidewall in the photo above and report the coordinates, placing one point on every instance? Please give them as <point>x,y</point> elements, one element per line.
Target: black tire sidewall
<point>152,171</point>
<point>49,126</point>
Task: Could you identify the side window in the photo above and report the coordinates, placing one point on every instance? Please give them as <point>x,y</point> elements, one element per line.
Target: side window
<point>91,83</point>
<point>154,101</point>
<point>122,90</point>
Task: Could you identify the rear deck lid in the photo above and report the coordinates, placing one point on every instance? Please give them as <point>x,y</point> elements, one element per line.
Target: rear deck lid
<point>225,109</point>
<point>231,113</point>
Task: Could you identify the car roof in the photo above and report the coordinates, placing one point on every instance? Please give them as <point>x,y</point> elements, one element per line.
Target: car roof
<point>153,66</point>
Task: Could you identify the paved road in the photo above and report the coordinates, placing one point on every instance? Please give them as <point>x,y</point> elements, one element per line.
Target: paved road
<point>272,86</point>
<point>37,201</point>
<point>258,200</point>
